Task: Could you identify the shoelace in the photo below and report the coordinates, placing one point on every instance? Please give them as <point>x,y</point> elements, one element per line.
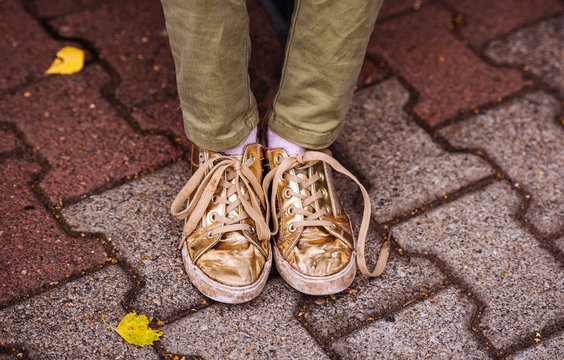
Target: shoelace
<point>240,180</point>
<point>303,161</point>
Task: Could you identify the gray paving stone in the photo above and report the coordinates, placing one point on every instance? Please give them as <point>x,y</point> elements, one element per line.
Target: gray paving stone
<point>136,217</point>
<point>403,280</point>
<point>552,348</point>
<point>404,167</point>
<point>66,323</point>
<point>539,47</point>
<point>480,239</point>
<point>265,328</point>
<point>523,138</point>
<point>435,328</point>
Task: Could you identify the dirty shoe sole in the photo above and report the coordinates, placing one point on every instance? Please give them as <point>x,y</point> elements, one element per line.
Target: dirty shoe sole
<point>315,285</point>
<point>221,292</point>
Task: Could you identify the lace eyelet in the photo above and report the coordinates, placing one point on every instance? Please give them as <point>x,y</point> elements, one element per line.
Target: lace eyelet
<point>210,235</point>
<point>252,231</point>
<point>290,211</point>
<point>252,157</point>
<point>324,192</point>
<point>291,228</point>
<point>282,177</point>
<point>321,176</point>
<point>328,210</point>
<point>333,226</point>
<point>286,193</point>
<point>278,159</point>
<point>214,199</point>
<point>213,217</point>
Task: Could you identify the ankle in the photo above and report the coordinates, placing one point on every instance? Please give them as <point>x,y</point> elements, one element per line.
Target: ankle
<point>275,141</point>
<point>251,139</point>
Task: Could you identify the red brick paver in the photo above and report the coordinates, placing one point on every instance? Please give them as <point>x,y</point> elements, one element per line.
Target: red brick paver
<point>449,77</point>
<point>87,144</point>
<point>390,8</point>
<point>8,141</point>
<point>138,50</point>
<point>35,251</point>
<point>486,19</point>
<point>23,41</point>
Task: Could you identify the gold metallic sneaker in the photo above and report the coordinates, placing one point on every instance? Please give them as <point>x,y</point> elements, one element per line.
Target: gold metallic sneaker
<point>226,239</point>
<point>315,247</point>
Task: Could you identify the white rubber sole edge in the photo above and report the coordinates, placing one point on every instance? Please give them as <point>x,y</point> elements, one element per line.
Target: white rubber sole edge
<point>221,292</point>
<point>316,285</point>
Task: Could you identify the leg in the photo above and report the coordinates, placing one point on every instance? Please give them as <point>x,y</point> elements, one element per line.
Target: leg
<point>211,48</point>
<point>324,54</point>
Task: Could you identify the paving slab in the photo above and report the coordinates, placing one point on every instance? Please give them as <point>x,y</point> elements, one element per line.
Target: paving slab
<point>138,50</point>
<point>163,115</point>
<point>264,328</point>
<point>481,241</point>
<point>435,328</point>
<point>404,169</point>
<point>390,8</point>
<point>448,76</point>
<point>538,48</point>
<point>136,218</point>
<point>85,141</point>
<point>404,280</point>
<point>34,249</point>
<point>26,42</point>
<point>551,348</point>
<point>8,141</point>
<point>67,322</point>
<point>56,8</point>
<point>523,138</point>
<point>484,20</point>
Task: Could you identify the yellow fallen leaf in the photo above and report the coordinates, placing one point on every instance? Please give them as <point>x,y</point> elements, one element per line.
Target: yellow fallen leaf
<point>135,330</point>
<point>69,61</point>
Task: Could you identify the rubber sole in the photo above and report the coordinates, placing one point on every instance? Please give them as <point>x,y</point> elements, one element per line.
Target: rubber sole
<point>221,292</point>
<point>315,285</point>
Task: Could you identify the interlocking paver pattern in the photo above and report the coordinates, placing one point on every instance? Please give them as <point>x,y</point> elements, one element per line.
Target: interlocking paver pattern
<point>86,231</point>
<point>448,76</point>
<point>85,141</point>
<point>539,47</point>
<point>548,349</point>
<point>136,218</point>
<point>480,239</point>
<point>485,19</point>
<point>431,329</point>
<point>139,50</point>
<point>523,138</point>
<point>23,41</point>
<point>403,167</point>
<point>35,250</point>
<point>66,323</point>
<point>264,328</point>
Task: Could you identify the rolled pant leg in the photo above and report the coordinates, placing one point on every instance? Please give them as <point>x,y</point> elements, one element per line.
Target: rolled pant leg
<point>324,55</point>
<point>211,49</point>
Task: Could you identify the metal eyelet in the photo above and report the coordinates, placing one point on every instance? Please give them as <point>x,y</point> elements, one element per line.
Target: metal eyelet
<point>291,228</point>
<point>213,217</point>
<point>328,210</point>
<point>252,157</point>
<point>252,231</point>
<point>209,234</point>
<point>286,193</point>
<point>323,192</point>
<point>334,226</point>
<point>214,199</point>
<point>278,159</point>
<point>321,176</point>
<point>282,177</point>
<point>290,211</point>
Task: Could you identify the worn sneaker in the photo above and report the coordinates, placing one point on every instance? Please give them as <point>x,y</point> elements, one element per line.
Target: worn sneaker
<point>314,247</point>
<point>226,240</point>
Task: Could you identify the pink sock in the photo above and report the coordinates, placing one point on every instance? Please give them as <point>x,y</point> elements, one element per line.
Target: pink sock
<point>250,140</point>
<point>275,142</point>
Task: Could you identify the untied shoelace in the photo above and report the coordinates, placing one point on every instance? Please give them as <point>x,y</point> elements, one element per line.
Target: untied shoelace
<point>303,161</point>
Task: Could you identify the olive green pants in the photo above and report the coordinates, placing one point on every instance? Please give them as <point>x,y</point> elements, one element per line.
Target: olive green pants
<point>324,53</point>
